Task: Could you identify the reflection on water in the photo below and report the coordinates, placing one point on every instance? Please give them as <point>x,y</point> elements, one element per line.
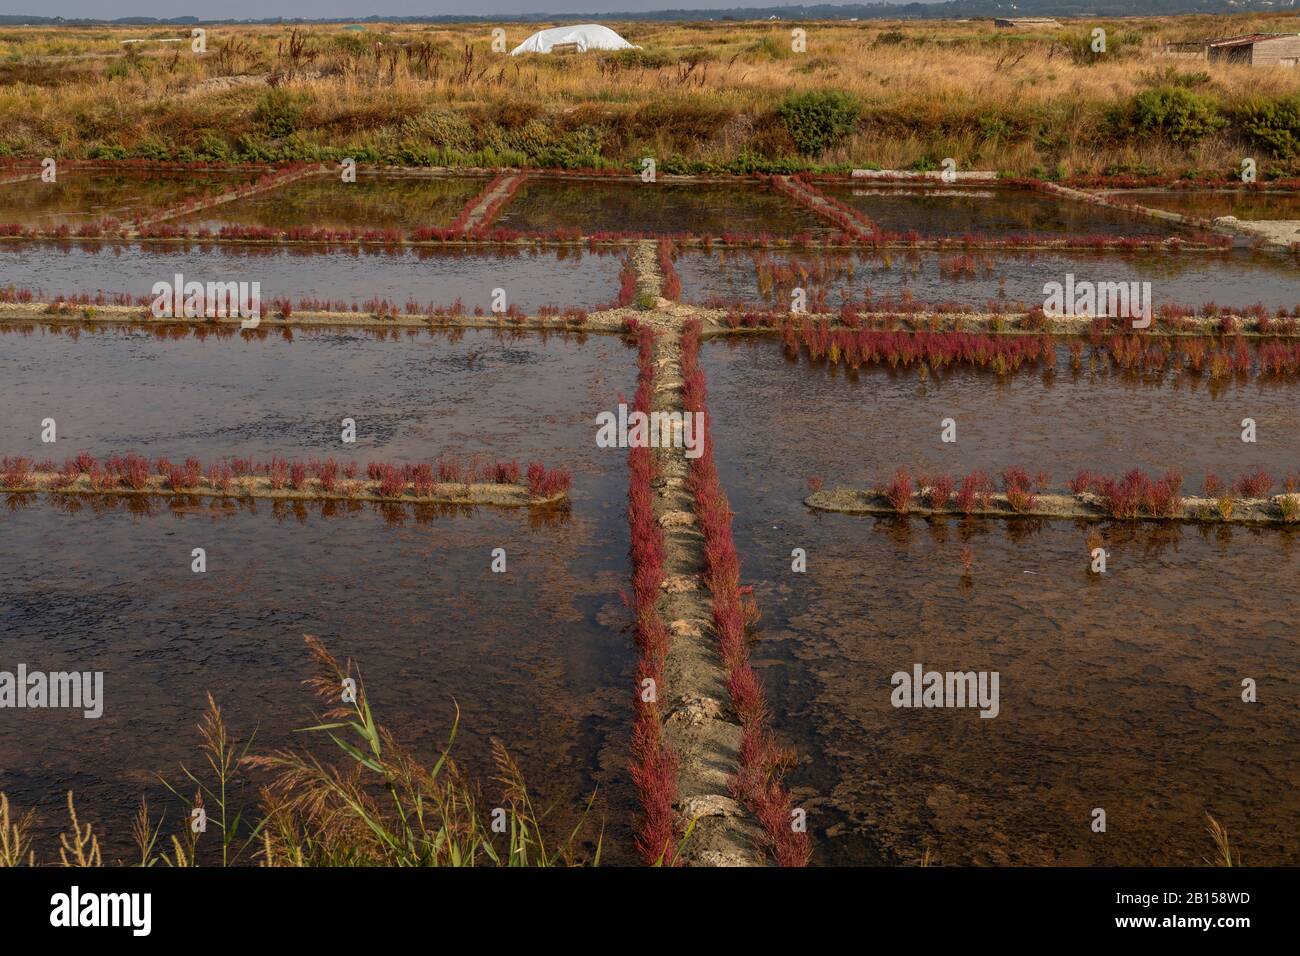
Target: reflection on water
<point>354,275</point>
<point>1119,691</point>
<point>1107,421</point>
<point>474,393</point>
<point>1211,203</point>
<point>372,202</point>
<point>1009,281</point>
<point>536,656</point>
<point>987,210</point>
<point>87,195</point>
<point>706,209</point>
<point>393,513</point>
<point>529,656</point>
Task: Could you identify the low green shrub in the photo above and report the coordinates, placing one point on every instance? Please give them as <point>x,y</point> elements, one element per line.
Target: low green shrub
<point>212,148</point>
<point>278,112</point>
<point>819,120</point>
<point>1171,112</point>
<point>153,150</point>
<point>1272,124</point>
<point>107,151</point>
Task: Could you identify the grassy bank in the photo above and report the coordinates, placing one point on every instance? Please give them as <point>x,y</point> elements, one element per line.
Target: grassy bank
<point>698,97</point>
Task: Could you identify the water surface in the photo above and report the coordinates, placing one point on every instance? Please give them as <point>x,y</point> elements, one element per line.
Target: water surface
<point>1212,203</point>
<point>79,196</point>
<point>979,280</point>
<point>374,201</point>
<point>536,656</point>
<point>987,210</point>
<point>1120,691</point>
<point>855,428</point>
<point>707,209</point>
<point>530,279</point>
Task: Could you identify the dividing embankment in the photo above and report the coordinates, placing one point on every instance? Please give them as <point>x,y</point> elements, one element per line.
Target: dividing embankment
<point>504,484</point>
<point>701,745</point>
<point>1085,506</point>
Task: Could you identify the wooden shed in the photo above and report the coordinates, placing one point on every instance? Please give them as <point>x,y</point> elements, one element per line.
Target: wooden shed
<point>1184,50</point>
<point>1257,49</point>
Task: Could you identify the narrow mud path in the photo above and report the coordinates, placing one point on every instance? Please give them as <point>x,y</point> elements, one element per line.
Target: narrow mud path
<point>488,204</point>
<point>230,195</point>
<point>699,722</point>
<point>1085,506</point>
<point>441,493</point>
<point>71,310</point>
<point>851,220</point>
<point>1275,235</point>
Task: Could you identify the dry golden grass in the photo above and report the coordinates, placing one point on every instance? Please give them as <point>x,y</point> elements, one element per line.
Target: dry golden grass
<point>15,839</point>
<point>704,92</point>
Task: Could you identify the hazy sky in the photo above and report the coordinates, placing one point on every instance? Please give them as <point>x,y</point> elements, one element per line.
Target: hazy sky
<point>237,9</point>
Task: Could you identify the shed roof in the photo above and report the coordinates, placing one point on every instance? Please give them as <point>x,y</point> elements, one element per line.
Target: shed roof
<point>1247,39</point>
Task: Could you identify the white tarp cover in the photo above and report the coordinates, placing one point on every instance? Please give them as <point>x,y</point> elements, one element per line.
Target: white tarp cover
<point>588,36</point>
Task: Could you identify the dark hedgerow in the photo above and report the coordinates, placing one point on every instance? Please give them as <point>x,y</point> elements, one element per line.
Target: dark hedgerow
<point>819,120</point>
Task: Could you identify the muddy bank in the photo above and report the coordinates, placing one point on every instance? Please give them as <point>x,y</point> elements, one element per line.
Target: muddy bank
<point>759,781</point>
<point>312,489</point>
<point>735,321</point>
<point>1280,232</point>
<point>726,791</point>
<point>699,725</point>
<point>715,321</point>
<point>64,313</point>
<point>503,496</point>
<point>1086,506</point>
